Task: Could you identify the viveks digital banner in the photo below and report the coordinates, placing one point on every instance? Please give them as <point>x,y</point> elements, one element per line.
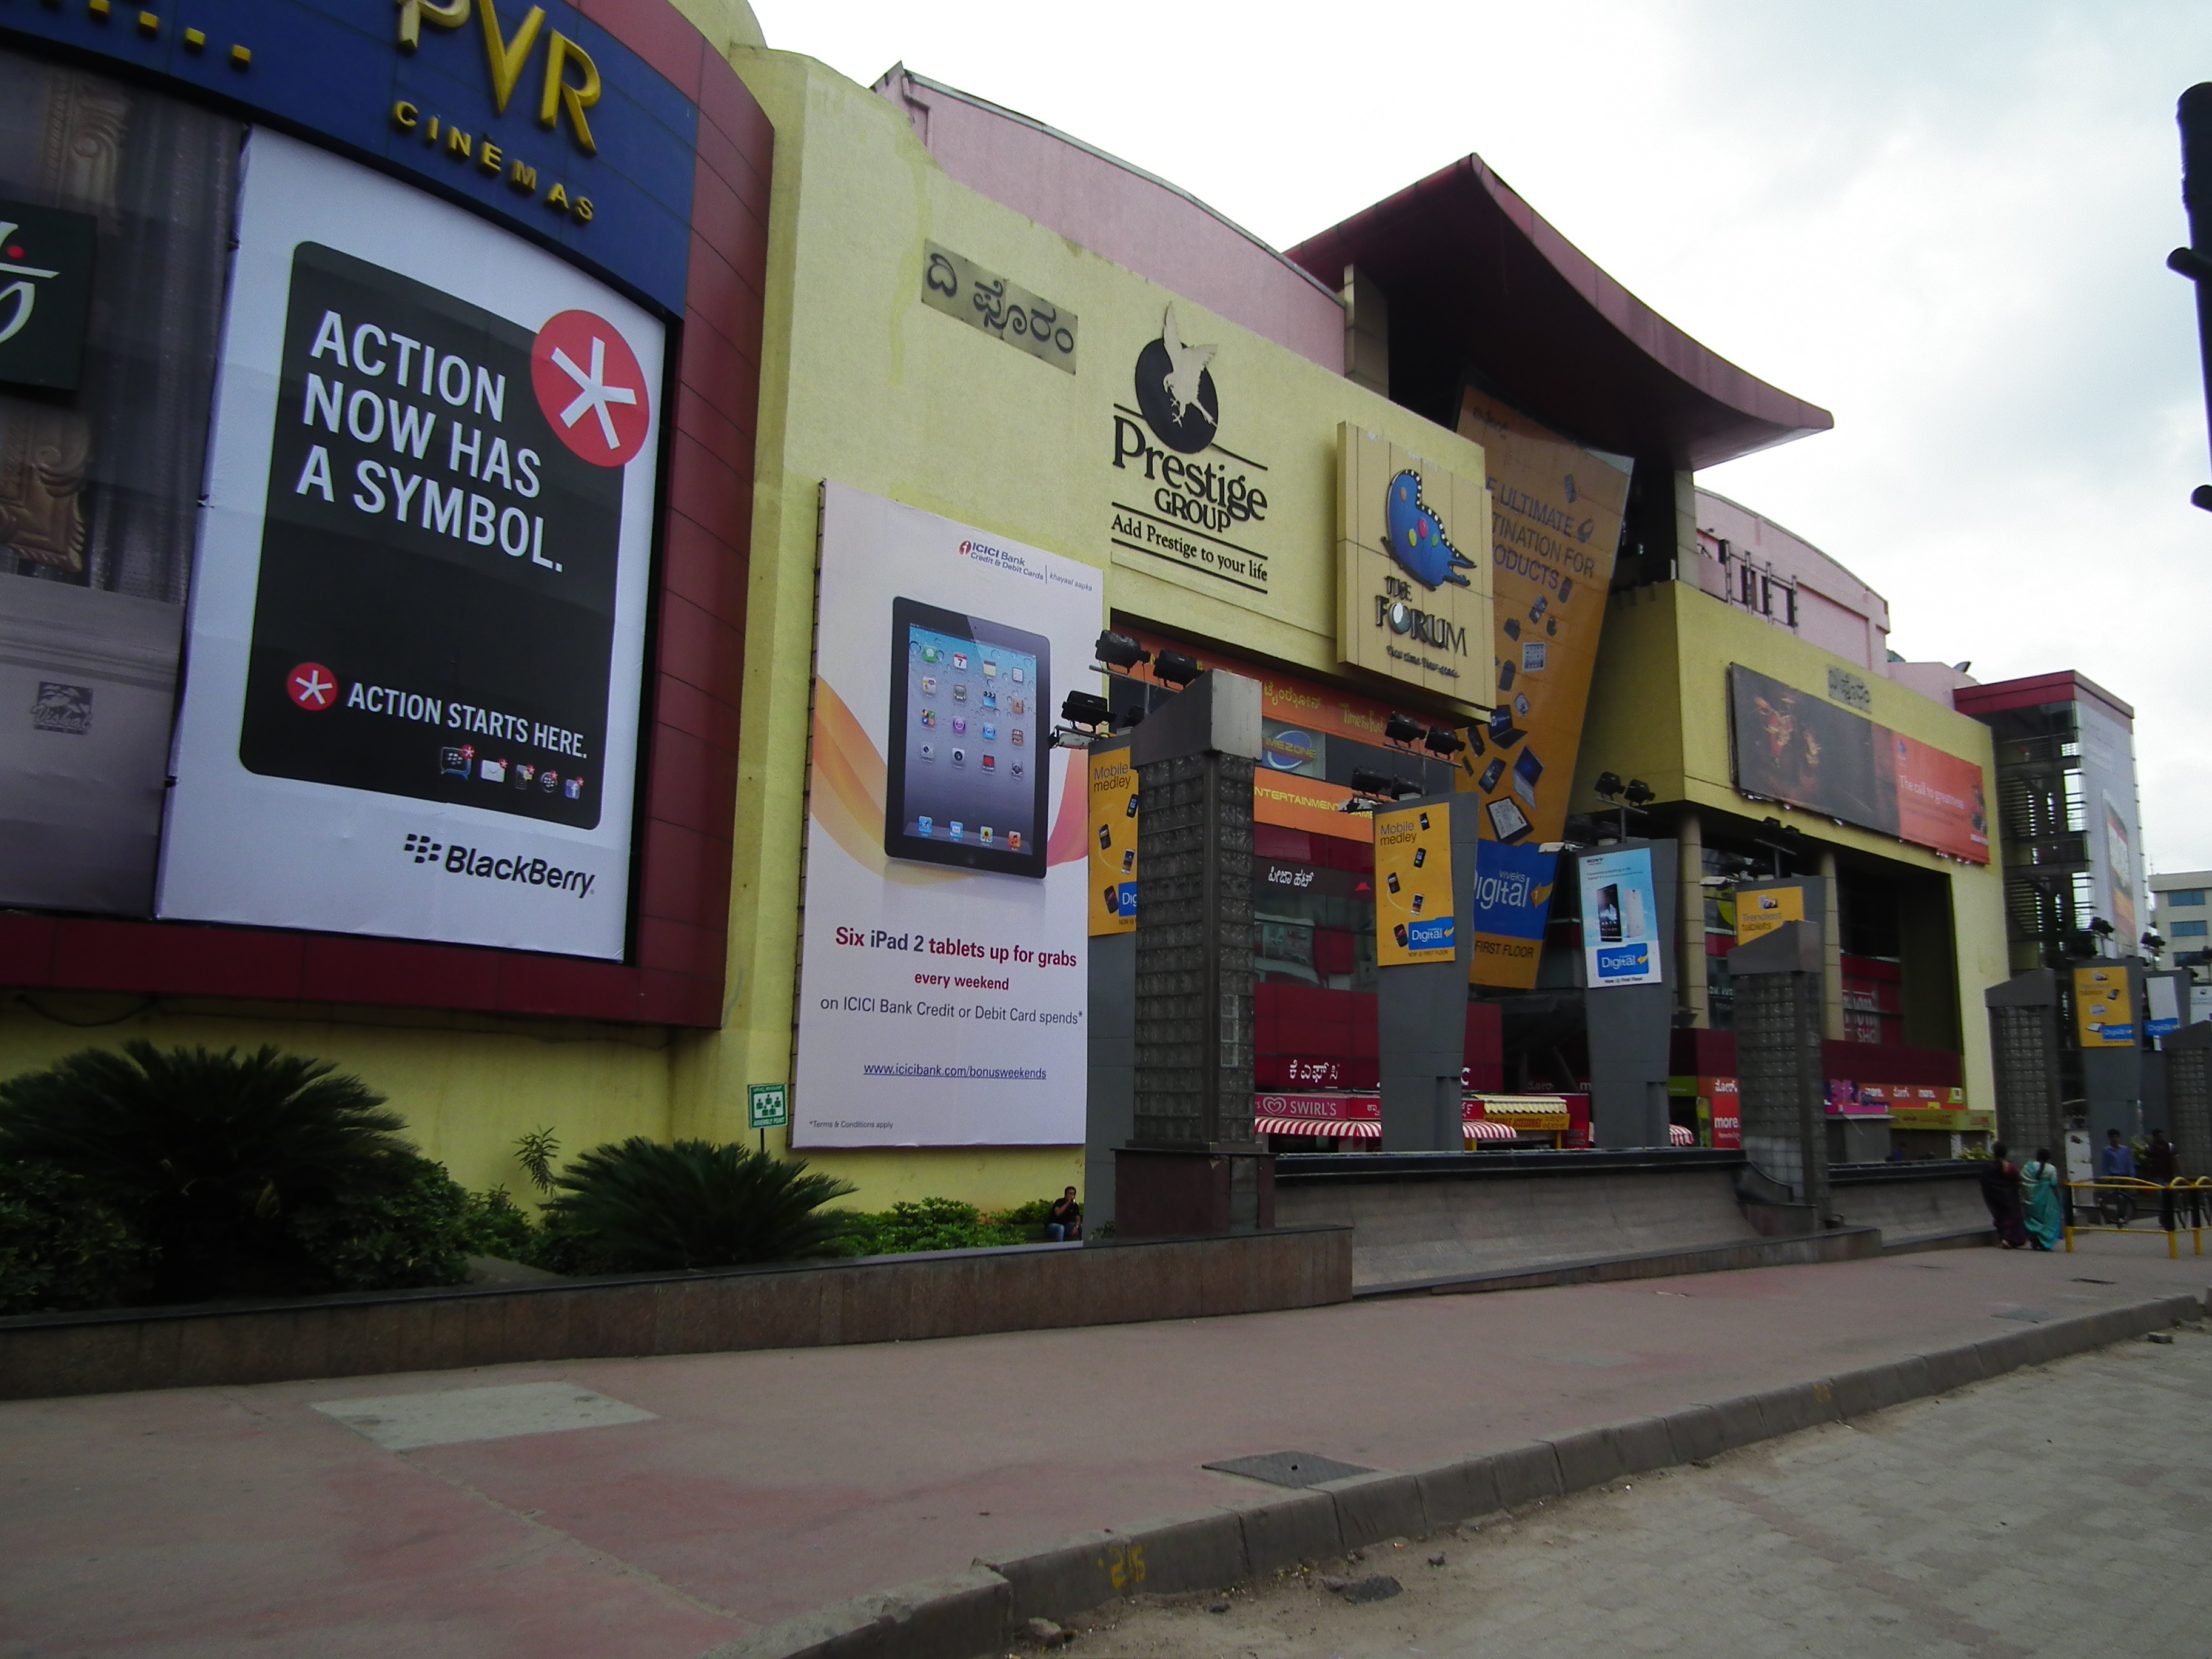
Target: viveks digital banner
<point>1620,920</point>
<point>1805,751</point>
<point>417,623</point>
<point>949,848</point>
<point>1112,898</point>
<point>1555,515</point>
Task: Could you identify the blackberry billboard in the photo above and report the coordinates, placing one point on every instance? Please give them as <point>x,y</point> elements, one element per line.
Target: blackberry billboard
<point>420,614</point>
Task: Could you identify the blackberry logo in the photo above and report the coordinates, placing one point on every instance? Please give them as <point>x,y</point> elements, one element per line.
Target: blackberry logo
<point>421,848</point>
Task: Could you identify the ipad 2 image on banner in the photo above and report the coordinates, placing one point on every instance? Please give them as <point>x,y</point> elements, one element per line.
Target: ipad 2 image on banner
<point>417,621</point>
<point>1620,919</point>
<point>943,987</point>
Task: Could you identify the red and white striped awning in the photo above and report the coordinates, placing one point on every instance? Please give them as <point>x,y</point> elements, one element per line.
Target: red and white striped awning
<point>1482,1128</point>
<point>1680,1134</point>
<point>1343,1128</point>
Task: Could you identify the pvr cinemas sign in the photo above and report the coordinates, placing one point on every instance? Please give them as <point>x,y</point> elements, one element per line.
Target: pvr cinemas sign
<point>568,88</point>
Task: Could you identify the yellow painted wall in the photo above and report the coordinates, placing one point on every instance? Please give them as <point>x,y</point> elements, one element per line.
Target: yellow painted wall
<point>866,385</point>
<point>1659,710</point>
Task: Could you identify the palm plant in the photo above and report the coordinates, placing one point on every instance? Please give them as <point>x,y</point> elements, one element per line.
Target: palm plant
<point>639,1206</point>
<point>209,1154</point>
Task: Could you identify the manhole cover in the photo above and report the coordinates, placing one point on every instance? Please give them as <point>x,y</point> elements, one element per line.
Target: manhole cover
<point>2026,1316</point>
<point>1290,1468</point>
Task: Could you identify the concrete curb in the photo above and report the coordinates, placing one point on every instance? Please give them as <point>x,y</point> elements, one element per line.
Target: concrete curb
<point>978,1612</point>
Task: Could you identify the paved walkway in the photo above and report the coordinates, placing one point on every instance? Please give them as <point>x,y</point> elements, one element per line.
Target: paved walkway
<point>2055,1511</point>
<point>243,1521</point>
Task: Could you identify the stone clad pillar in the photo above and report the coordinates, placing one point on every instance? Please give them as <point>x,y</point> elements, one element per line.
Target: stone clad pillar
<point>1192,1165</point>
<point>1780,1082</point>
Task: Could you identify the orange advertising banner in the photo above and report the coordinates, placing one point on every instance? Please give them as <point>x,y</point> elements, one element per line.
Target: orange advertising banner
<point>1555,518</point>
<point>1940,802</point>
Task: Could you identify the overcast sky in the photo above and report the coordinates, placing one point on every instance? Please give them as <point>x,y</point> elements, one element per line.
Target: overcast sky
<point>1945,223</point>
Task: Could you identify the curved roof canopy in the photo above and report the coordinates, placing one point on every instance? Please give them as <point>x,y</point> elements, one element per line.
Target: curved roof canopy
<point>1481,288</point>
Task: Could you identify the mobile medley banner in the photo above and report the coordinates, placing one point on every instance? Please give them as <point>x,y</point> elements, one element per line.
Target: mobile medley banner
<point>944,985</point>
<point>1805,751</point>
<point>417,625</point>
<point>1413,919</point>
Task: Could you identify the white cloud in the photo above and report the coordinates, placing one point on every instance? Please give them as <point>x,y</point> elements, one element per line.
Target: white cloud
<point>1945,223</point>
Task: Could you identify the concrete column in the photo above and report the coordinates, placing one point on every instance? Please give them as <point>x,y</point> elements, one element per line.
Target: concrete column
<point>1367,333</point>
<point>1780,1085</point>
<point>1831,950</point>
<point>1421,1018</point>
<point>1194,955</point>
<point>1690,921</point>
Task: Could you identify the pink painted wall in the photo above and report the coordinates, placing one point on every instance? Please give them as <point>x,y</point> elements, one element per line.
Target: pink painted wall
<point>1123,214</point>
<point>1836,610</point>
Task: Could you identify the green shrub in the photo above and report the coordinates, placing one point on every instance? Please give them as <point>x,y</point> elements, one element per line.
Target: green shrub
<point>638,1206</point>
<point>1035,1214</point>
<point>494,1224</point>
<point>61,1250</point>
<point>934,1224</point>
<point>213,1159</point>
<point>397,1236</point>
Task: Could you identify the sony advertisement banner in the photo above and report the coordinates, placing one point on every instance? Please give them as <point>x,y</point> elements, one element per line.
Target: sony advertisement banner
<point>418,624</point>
<point>943,986</point>
<point>1620,920</point>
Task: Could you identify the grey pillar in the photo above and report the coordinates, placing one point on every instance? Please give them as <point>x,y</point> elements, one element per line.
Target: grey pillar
<point>1832,948</point>
<point>1193,969</point>
<point>1421,1012</point>
<point>1631,1026</point>
<point>1780,1081</point>
<point>2024,1045</point>
<point>2188,1095</point>
<point>1696,988</point>
<point>2111,1078</point>
<point>1110,1105</point>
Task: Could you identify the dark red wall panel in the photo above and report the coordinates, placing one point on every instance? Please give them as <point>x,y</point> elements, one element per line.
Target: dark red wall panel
<point>694,682</point>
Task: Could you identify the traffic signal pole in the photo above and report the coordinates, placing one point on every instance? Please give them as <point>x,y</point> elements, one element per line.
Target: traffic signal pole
<point>2195,261</point>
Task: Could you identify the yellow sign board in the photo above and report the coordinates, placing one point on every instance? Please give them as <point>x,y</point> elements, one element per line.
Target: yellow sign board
<point>1412,578</point>
<point>2102,1015</point>
<point>1413,919</point>
<point>1760,910</point>
<point>1113,903</point>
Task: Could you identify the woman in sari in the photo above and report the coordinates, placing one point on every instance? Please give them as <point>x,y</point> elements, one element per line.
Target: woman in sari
<point>2001,1191</point>
<point>2047,1209</point>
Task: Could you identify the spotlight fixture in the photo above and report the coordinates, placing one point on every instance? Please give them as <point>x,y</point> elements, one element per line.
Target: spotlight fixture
<point>1404,787</point>
<point>1639,792</point>
<point>1129,717</point>
<point>1173,668</point>
<point>1403,728</point>
<point>1442,741</point>
<point>1086,710</point>
<point>1581,830</point>
<point>2100,927</point>
<point>1374,783</point>
<point>1608,785</point>
<point>2151,941</point>
<point>1119,651</point>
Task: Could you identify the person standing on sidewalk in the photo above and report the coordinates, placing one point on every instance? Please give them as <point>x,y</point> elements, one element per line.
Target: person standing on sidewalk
<point>2046,1214</point>
<point>2115,1161</point>
<point>2162,1163</point>
<point>2001,1191</point>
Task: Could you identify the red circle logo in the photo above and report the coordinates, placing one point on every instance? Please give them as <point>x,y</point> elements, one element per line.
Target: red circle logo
<point>312,686</point>
<point>590,386</point>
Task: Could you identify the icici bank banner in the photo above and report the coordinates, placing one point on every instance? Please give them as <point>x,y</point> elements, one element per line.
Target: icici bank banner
<point>1799,749</point>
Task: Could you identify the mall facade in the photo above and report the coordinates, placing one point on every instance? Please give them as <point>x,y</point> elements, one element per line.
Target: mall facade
<point>708,755</point>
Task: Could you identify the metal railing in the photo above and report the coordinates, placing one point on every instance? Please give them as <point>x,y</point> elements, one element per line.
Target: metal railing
<point>2115,1200</point>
